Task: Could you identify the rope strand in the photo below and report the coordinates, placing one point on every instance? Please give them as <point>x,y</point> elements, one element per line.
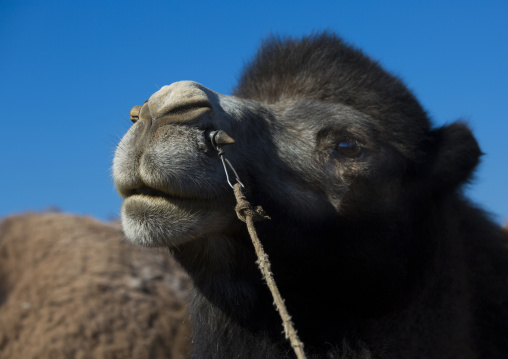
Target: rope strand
<point>248,215</point>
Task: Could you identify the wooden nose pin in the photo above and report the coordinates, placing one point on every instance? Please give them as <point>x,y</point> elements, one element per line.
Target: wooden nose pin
<point>135,113</point>
<point>221,138</point>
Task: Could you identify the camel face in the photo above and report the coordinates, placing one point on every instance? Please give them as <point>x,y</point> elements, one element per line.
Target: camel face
<point>167,171</point>
<point>305,158</point>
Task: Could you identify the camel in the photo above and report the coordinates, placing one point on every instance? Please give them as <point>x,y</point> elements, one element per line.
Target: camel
<point>72,287</point>
<point>373,245</point>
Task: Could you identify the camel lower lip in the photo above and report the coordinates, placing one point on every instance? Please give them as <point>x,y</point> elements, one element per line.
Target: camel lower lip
<point>166,198</point>
<point>161,221</point>
<point>149,192</point>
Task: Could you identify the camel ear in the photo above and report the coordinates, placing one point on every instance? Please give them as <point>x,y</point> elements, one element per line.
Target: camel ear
<point>455,155</point>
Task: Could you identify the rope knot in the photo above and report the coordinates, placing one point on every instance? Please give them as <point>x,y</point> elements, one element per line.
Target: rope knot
<point>244,209</point>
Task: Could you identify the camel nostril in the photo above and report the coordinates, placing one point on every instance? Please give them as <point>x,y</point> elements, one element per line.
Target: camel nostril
<point>180,102</point>
<point>190,106</point>
<point>182,112</point>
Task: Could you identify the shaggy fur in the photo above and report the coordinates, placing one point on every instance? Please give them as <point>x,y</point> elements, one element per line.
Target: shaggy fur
<point>71,287</point>
<point>374,248</point>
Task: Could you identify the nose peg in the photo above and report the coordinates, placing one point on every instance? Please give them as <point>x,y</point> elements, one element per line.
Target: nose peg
<point>220,139</point>
<point>135,113</point>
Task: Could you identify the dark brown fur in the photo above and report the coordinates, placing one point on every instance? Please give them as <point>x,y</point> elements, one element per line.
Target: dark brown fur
<point>375,249</point>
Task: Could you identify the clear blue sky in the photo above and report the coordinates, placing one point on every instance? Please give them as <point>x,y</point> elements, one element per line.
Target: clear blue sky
<point>70,71</point>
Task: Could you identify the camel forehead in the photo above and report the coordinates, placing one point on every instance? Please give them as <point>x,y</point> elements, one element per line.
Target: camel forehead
<point>318,113</point>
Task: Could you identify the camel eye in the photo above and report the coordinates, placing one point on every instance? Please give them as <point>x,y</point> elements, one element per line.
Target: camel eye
<point>349,148</point>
